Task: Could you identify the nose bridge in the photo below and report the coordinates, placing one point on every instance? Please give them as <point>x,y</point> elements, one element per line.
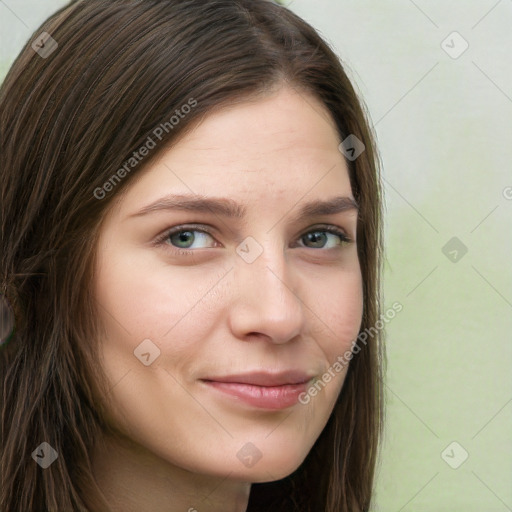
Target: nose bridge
<point>267,300</point>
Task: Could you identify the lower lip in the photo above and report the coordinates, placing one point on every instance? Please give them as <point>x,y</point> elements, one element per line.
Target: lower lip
<point>276,397</point>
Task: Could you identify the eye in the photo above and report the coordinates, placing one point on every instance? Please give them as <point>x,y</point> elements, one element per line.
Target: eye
<point>326,235</point>
<point>183,238</point>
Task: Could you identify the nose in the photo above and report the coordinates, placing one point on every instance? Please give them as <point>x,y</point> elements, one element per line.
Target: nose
<point>265,303</point>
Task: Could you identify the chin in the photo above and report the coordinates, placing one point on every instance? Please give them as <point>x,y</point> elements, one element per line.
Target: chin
<point>275,468</point>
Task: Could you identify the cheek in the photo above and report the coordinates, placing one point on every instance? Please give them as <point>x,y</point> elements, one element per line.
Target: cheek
<point>139,301</point>
<point>148,301</point>
<point>163,305</point>
<point>338,310</point>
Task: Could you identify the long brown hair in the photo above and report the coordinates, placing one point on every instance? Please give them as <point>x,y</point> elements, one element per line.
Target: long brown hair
<point>69,119</point>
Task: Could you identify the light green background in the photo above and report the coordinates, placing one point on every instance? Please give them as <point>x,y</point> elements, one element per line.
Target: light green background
<point>444,129</point>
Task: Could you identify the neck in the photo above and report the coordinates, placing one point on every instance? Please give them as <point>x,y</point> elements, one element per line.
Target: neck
<point>132,479</point>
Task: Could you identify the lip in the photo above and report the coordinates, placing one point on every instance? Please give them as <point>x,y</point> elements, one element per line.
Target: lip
<point>262,389</point>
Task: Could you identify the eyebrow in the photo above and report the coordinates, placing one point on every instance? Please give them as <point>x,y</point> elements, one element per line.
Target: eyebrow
<point>229,208</point>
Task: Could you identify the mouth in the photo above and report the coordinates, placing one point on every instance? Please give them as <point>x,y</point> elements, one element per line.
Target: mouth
<point>263,390</point>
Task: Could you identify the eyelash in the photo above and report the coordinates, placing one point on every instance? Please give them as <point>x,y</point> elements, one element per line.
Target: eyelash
<point>162,239</point>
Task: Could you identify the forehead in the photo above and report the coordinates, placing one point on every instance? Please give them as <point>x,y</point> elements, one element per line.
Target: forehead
<point>279,148</point>
<point>286,123</point>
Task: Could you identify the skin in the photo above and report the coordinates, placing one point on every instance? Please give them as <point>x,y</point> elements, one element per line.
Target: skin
<point>297,305</point>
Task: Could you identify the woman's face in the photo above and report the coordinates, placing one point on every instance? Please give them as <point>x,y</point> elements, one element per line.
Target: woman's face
<point>213,332</point>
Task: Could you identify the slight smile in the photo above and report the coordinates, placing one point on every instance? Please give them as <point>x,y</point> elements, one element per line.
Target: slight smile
<point>262,390</point>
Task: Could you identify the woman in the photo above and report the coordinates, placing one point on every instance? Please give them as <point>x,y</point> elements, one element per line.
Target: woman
<point>191,244</point>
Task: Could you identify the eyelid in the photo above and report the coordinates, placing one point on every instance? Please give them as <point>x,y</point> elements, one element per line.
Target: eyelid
<point>336,230</point>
